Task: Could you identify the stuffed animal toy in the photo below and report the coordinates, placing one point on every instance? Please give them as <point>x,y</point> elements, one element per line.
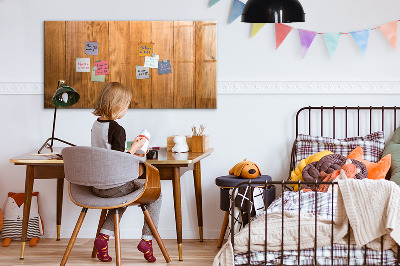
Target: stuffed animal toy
<point>13,215</point>
<point>245,169</point>
<point>180,144</point>
<point>1,220</point>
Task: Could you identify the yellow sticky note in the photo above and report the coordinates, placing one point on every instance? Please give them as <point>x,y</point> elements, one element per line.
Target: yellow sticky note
<point>145,48</point>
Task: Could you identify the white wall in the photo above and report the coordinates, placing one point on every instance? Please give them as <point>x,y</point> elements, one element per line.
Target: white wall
<point>257,127</point>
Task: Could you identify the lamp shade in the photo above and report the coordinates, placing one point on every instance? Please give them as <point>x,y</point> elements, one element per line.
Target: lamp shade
<point>273,11</point>
<point>65,96</point>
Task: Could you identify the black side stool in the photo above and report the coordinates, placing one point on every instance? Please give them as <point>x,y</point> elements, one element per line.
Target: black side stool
<point>228,182</point>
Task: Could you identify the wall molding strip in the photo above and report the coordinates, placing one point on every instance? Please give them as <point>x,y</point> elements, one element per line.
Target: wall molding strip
<point>259,87</point>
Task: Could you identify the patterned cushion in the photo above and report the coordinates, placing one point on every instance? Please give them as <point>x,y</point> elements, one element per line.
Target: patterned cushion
<point>372,144</point>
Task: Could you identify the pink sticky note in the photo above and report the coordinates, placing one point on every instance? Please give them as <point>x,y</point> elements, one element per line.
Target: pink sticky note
<point>102,67</point>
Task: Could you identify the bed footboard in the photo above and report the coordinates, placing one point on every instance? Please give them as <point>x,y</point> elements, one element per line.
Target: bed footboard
<point>384,258</point>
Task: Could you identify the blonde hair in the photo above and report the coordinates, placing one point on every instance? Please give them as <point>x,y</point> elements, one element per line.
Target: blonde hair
<point>113,97</point>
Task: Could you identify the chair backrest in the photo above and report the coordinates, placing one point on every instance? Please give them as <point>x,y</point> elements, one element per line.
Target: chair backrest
<point>92,166</point>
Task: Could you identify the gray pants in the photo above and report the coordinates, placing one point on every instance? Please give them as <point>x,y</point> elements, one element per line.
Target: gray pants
<point>153,208</point>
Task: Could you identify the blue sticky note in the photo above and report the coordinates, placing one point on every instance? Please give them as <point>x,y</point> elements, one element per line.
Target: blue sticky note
<point>164,67</point>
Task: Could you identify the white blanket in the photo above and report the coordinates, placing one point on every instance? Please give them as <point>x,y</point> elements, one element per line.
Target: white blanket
<point>371,206</point>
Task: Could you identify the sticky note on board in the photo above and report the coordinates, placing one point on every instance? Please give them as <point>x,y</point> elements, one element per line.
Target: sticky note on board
<point>151,61</point>
<point>164,67</point>
<point>98,78</point>
<point>82,64</point>
<point>91,48</point>
<point>102,67</point>
<point>142,72</point>
<point>145,48</point>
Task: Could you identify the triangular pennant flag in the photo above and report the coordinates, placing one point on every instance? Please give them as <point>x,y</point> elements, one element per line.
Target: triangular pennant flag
<point>332,41</point>
<point>213,2</point>
<point>281,31</point>
<point>255,28</point>
<point>237,9</point>
<point>361,37</point>
<point>389,30</point>
<point>306,39</point>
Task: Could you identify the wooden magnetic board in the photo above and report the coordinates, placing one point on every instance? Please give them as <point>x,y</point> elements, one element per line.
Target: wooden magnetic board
<point>191,47</point>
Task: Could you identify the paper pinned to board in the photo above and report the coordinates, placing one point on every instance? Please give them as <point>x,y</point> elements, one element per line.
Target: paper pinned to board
<point>82,64</point>
<point>164,67</point>
<point>97,78</point>
<point>102,67</point>
<point>145,48</point>
<point>151,61</point>
<point>91,48</point>
<point>142,72</point>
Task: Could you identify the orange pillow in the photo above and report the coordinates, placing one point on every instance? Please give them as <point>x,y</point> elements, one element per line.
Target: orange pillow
<point>375,170</point>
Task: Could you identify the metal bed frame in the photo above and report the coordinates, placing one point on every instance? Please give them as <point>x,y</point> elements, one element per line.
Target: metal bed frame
<point>283,184</point>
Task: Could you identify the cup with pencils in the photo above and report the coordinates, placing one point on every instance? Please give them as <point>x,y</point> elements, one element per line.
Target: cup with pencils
<point>199,140</point>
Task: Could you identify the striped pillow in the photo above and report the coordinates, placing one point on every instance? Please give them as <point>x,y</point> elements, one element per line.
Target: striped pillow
<point>372,145</point>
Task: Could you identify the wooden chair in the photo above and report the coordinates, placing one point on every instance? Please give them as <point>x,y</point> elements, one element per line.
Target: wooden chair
<point>85,167</point>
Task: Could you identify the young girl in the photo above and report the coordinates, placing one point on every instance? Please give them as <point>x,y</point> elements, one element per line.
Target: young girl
<point>112,104</point>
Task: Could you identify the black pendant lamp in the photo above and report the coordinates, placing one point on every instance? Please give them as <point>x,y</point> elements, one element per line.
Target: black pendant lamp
<point>273,11</point>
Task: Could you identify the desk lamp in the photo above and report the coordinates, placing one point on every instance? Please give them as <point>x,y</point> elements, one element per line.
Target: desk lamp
<point>63,97</point>
<point>273,11</point>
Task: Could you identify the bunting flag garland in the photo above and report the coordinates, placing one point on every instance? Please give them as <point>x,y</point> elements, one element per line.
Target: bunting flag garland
<point>213,2</point>
<point>256,28</point>
<point>332,41</point>
<point>361,37</point>
<point>237,9</point>
<point>306,39</point>
<point>281,31</point>
<point>389,30</point>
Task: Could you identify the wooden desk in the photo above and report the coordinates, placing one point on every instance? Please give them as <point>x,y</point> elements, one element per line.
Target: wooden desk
<point>171,167</point>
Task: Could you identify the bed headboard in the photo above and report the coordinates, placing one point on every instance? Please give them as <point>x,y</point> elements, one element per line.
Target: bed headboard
<point>344,121</point>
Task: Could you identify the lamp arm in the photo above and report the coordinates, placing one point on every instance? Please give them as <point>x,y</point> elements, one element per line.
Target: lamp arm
<point>46,143</point>
<point>54,126</point>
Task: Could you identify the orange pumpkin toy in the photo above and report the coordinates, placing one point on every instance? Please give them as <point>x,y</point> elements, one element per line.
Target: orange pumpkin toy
<point>245,169</point>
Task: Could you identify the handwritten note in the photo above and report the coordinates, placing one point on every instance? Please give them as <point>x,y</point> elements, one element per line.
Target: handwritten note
<point>102,67</point>
<point>83,64</point>
<point>164,67</point>
<point>92,48</point>
<point>151,62</point>
<point>145,48</point>
<point>98,78</point>
<point>142,72</point>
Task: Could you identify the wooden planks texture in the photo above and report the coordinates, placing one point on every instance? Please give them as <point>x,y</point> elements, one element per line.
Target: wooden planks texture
<point>190,46</point>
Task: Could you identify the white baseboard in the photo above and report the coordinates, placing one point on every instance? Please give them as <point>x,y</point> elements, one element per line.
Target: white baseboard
<point>259,87</point>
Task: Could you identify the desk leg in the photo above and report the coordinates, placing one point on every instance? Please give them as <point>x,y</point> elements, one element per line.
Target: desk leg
<point>60,190</point>
<point>176,182</point>
<point>199,204</point>
<point>27,206</point>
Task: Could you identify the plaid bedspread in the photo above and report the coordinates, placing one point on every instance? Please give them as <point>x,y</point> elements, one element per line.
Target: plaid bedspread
<point>322,205</point>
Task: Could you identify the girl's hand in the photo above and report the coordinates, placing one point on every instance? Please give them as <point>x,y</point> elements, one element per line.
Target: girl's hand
<point>142,155</point>
<point>137,144</point>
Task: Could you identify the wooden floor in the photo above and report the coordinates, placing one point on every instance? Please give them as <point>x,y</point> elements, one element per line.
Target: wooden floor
<point>50,252</point>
